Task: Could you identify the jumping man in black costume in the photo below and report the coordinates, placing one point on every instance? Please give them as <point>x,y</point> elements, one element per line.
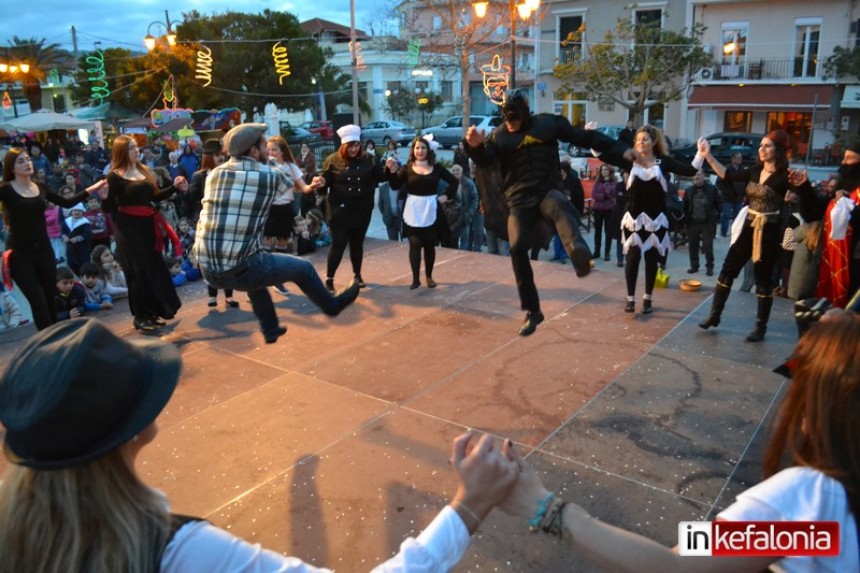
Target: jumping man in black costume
<point>526,147</point>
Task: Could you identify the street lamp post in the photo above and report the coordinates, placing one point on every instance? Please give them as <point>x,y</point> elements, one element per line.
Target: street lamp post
<point>524,8</point>
<point>150,41</point>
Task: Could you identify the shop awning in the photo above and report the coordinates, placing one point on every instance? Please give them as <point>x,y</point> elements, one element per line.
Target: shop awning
<point>756,97</point>
<point>851,98</point>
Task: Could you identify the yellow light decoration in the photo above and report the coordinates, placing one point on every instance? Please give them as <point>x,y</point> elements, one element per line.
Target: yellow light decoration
<point>357,56</point>
<point>496,80</point>
<point>480,8</point>
<point>7,101</point>
<point>204,65</point>
<point>282,62</point>
<point>533,5</point>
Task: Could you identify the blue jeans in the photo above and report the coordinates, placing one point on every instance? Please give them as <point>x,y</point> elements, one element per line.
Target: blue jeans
<point>558,252</point>
<point>258,272</point>
<point>730,211</point>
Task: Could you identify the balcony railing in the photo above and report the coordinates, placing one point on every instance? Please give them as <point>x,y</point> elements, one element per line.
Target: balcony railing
<point>749,69</point>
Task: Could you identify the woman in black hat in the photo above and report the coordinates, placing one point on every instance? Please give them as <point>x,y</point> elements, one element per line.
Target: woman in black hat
<point>30,260</point>
<point>79,403</point>
<point>140,232</point>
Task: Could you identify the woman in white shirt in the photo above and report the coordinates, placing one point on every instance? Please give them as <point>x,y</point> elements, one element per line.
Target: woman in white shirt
<point>817,432</point>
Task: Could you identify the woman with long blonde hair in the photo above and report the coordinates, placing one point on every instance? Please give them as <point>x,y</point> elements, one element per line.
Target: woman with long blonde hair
<point>140,234</point>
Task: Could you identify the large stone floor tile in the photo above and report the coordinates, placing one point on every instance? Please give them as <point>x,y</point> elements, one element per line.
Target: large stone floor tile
<point>676,422</point>
<point>222,453</point>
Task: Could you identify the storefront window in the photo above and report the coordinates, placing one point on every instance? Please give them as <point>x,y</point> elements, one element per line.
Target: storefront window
<point>737,121</point>
<point>797,125</point>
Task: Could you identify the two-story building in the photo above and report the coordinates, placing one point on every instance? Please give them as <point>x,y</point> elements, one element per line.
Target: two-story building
<point>386,67</point>
<point>769,70</point>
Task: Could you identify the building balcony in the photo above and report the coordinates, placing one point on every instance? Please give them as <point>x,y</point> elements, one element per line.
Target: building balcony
<point>747,69</point>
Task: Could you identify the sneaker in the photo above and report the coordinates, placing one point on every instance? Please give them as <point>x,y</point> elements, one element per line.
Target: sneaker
<point>346,297</point>
<point>630,306</point>
<point>281,290</point>
<point>232,303</point>
<point>213,302</point>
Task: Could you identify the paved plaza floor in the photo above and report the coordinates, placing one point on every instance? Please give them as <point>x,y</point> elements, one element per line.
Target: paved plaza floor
<point>332,445</point>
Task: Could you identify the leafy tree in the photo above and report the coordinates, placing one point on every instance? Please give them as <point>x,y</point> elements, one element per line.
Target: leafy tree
<point>401,104</point>
<point>337,87</point>
<point>635,66</point>
<point>458,35</point>
<point>40,57</point>
<point>244,73</point>
<point>427,104</point>
<point>137,81</point>
<point>843,62</point>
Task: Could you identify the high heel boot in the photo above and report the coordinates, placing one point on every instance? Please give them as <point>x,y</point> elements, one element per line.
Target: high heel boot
<point>721,295</point>
<point>765,303</point>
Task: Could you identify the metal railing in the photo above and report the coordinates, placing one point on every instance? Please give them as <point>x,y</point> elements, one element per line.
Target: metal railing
<point>748,69</point>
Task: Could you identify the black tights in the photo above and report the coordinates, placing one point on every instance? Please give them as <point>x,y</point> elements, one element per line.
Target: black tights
<point>631,271</point>
<point>426,239</point>
<point>36,276</point>
<point>340,238</point>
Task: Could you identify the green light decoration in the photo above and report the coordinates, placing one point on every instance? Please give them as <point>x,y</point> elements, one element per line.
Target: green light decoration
<point>96,76</point>
<point>413,52</point>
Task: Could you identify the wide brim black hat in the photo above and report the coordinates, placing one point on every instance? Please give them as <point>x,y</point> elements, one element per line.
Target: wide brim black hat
<point>212,146</point>
<point>76,392</point>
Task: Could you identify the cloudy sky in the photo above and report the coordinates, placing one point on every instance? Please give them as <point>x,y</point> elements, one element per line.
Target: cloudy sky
<point>124,23</point>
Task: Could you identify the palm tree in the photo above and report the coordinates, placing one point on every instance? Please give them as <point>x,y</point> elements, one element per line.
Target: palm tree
<point>41,58</point>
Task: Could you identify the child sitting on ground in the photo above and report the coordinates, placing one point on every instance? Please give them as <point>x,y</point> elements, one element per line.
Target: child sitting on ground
<point>10,312</point>
<point>177,275</point>
<point>97,297</point>
<point>110,273</point>
<point>77,235</point>
<point>71,298</point>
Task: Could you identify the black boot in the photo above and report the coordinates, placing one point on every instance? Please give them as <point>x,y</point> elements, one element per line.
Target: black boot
<point>724,288</point>
<point>765,303</point>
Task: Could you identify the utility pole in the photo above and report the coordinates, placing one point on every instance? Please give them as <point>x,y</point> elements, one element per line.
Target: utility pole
<point>354,62</point>
<point>75,43</point>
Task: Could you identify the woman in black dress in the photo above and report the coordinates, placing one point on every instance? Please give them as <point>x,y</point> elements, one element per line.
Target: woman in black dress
<point>29,255</point>
<point>140,235</point>
<point>421,176</point>
<point>350,176</point>
<point>756,233</point>
<point>645,227</point>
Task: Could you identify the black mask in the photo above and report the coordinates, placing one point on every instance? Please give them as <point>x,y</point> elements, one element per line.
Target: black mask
<point>849,177</point>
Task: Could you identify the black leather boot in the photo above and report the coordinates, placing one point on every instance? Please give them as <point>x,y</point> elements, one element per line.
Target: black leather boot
<point>765,303</point>
<point>721,295</point>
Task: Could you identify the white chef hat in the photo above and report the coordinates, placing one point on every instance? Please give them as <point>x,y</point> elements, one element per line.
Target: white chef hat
<point>349,133</point>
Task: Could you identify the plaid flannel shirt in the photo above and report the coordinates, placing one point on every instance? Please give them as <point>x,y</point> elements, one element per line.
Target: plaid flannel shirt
<point>236,202</point>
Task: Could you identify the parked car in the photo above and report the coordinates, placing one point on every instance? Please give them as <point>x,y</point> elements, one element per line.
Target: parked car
<point>381,132</point>
<point>723,146</point>
<point>450,132</point>
<point>576,151</point>
<point>323,128</point>
<point>298,135</point>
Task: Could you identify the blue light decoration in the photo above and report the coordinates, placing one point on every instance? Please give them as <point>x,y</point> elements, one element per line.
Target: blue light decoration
<point>96,76</point>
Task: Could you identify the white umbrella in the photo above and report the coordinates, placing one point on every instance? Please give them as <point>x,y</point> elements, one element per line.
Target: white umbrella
<point>44,120</point>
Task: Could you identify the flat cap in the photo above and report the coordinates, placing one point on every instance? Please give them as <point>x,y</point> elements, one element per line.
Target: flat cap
<point>240,139</point>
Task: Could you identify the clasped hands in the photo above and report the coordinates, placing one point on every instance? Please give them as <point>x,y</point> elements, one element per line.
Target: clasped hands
<point>491,476</point>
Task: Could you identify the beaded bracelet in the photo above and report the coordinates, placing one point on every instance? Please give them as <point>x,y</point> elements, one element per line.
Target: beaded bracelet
<point>534,522</point>
<point>553,523</point>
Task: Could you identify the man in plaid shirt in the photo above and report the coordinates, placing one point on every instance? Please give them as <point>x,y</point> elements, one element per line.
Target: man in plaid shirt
<point>236,202</point>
